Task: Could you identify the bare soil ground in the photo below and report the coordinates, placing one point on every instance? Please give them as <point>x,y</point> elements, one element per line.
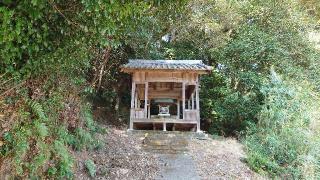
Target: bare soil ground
<point>124,156</point>
<point>220,159</point>
<point>120,158</point>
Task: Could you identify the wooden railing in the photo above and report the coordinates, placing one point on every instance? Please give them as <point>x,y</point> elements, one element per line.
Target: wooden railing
<point>137,113</point>
<point>190,115</point>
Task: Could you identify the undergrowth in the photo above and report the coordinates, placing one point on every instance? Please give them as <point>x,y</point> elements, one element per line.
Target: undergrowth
<point>39,146</point>
<point>91,167</point>
<point>282,143</point>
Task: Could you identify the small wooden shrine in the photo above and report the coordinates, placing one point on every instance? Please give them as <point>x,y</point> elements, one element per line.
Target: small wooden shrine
<point>165,92</point>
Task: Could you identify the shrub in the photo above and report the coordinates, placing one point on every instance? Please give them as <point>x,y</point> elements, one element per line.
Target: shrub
<point>282,143</point>
<point>40,146</point>
<point>64,160</point>
<point>91,167</point>
<point>227,109</point>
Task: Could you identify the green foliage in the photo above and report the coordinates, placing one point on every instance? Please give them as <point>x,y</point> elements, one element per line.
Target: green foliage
<point>243,41</point>
<point>29,143</point>
<point>82,139</point>
<point>23,31</point>
<point>37,109</point>
<point>282,143</point>
<point>65,161</point>
<point>53,47</point>
<point>91,167</point>
<point>228,109</point>
<point>88,119</point>
<point>265,34</point>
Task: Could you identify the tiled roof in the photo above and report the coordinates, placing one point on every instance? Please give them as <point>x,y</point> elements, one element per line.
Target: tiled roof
<point>196,65</point>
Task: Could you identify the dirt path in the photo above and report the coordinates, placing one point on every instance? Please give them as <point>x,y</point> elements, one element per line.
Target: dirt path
<point>165,155</point>
<point>220,159</point>
<point>177,167</point>
<point>189,155</point>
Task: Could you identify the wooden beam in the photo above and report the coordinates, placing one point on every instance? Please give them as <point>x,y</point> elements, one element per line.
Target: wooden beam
<point>167,120</point>
<point>162,96</point>
<point>146,99</point>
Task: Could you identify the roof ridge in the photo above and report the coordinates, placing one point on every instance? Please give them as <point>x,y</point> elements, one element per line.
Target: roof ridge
<point>196,65</point>
<point>165,61</point>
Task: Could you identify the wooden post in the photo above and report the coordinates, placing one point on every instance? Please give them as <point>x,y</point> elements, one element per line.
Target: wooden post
<point>136,100</point>
<point>192,101</point>
<point>146,99</point>
<point>198,107</point>
<point>178,109</point>
<point>133,89</point>
<point>149,109</point>
<point>183,98</point>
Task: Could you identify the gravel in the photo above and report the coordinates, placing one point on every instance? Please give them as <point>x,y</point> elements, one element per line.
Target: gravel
<point>121,158</point>
<point>125,156</point>
<point>220,159</point>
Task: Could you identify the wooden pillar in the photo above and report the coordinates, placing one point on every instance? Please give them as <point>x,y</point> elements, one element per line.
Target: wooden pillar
<point>136,100</point>
<point>178,109</point>
<point>149,109</point>
<point>183,98</point>
<point>146,99</point>
<point>192,101</point>
<point>198,106</point>
<point>133,89</point>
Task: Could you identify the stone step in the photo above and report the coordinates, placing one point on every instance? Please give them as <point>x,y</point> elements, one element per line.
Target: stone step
<point>165,134</point>
<point>166,142</point>
<point>173,148</point>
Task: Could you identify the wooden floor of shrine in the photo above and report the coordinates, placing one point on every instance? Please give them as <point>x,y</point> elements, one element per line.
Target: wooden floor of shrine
<point>164,124</point>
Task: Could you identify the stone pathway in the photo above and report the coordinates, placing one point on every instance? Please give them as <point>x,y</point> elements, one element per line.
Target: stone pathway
<point>177,167</point>
<point>172,151</point>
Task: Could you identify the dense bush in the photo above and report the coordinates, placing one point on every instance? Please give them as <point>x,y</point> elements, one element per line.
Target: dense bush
<point>282,142</point>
